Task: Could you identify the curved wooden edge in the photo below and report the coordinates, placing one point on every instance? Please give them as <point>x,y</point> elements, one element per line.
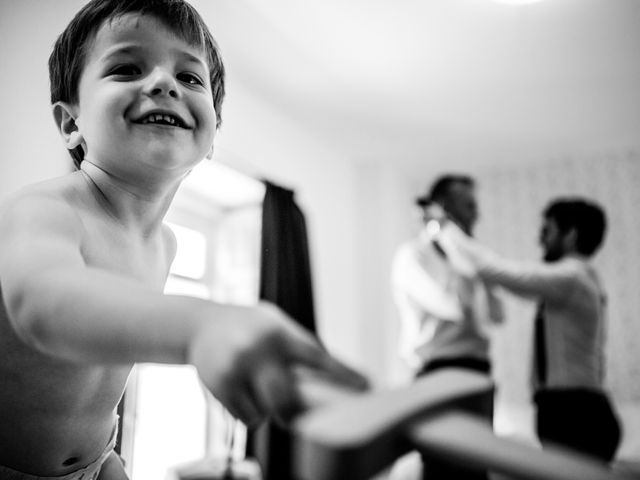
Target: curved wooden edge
<point>352,436</point>
<point>461,437</point>
<point>360,434</point>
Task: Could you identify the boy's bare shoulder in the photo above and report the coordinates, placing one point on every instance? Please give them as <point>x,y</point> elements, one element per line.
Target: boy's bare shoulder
<point>40,205</point>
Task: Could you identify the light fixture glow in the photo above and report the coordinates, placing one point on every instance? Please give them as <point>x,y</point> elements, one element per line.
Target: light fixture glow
<point>517,2</point>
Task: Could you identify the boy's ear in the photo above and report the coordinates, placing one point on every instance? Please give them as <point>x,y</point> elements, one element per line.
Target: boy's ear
<point>65,119</point>
<point>210,154</point>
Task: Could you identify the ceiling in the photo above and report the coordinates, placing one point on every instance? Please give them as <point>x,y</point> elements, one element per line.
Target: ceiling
<point>412,81</point>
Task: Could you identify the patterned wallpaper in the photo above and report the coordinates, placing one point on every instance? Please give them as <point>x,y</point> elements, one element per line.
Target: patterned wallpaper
<point>511,200</point>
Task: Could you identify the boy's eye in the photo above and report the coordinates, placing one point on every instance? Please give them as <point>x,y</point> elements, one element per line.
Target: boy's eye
<point>125,70</point>
<point>190,78</point>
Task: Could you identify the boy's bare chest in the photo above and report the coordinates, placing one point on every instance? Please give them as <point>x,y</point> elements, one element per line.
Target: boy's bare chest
<point>129,255</point>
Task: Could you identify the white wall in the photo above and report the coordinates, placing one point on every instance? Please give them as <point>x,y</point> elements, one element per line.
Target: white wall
<point>30,149</point>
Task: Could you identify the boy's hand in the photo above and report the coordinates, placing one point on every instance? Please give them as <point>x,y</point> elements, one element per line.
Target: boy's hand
<point>247,357</point>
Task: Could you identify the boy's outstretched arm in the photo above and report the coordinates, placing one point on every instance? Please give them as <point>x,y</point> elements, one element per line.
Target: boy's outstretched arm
<point>59,305</point>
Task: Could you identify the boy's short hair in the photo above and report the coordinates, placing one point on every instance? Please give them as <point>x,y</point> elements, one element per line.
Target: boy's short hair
<point>440,188</point>
<point>69,52</point>
<point>584,216</point>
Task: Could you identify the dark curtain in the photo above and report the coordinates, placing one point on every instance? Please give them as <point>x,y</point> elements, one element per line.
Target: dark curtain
<point>285,269</point>
<point>285,279</point>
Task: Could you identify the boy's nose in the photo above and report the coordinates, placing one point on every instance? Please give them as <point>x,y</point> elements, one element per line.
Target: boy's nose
<point>161,82</point>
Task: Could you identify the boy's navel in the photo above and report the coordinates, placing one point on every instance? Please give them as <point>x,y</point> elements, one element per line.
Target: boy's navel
<point>70,461</point>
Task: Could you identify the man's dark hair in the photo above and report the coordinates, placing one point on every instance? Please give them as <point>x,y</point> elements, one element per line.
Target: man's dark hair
<point>584,216</point>
<point>69,52</point>
<point>440,188</point>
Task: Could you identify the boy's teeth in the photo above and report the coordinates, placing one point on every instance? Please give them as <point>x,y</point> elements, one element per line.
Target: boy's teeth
<point>158,117</point>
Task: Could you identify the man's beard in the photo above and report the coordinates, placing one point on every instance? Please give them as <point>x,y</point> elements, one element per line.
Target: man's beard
<point>552,255</point>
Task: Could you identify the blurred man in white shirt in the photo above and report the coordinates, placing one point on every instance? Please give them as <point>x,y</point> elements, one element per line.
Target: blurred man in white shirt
<point>444,315</point>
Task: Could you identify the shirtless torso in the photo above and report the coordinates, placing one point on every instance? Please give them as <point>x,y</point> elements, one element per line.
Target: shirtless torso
<point>57,415</point>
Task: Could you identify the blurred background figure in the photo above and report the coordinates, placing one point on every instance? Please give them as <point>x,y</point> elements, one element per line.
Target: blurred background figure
<point>443,313</point>
<point>568,369</point>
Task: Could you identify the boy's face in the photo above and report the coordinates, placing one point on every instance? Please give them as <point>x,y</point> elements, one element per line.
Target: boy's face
<point>145,104</point>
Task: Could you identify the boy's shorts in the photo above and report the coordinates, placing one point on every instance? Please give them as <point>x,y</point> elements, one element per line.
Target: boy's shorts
<point>90,472</point>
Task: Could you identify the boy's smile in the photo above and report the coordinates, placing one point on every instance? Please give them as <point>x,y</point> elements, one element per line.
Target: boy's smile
<point>163,118</point>
<point>145,103</point>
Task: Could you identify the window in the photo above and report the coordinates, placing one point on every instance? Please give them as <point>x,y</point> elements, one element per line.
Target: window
<point>169,417</point>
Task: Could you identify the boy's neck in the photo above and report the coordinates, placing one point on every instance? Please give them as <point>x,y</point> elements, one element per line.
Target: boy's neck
<point>135,206</point>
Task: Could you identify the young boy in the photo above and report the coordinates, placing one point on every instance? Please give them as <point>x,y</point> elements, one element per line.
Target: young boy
<point>136,90</point>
